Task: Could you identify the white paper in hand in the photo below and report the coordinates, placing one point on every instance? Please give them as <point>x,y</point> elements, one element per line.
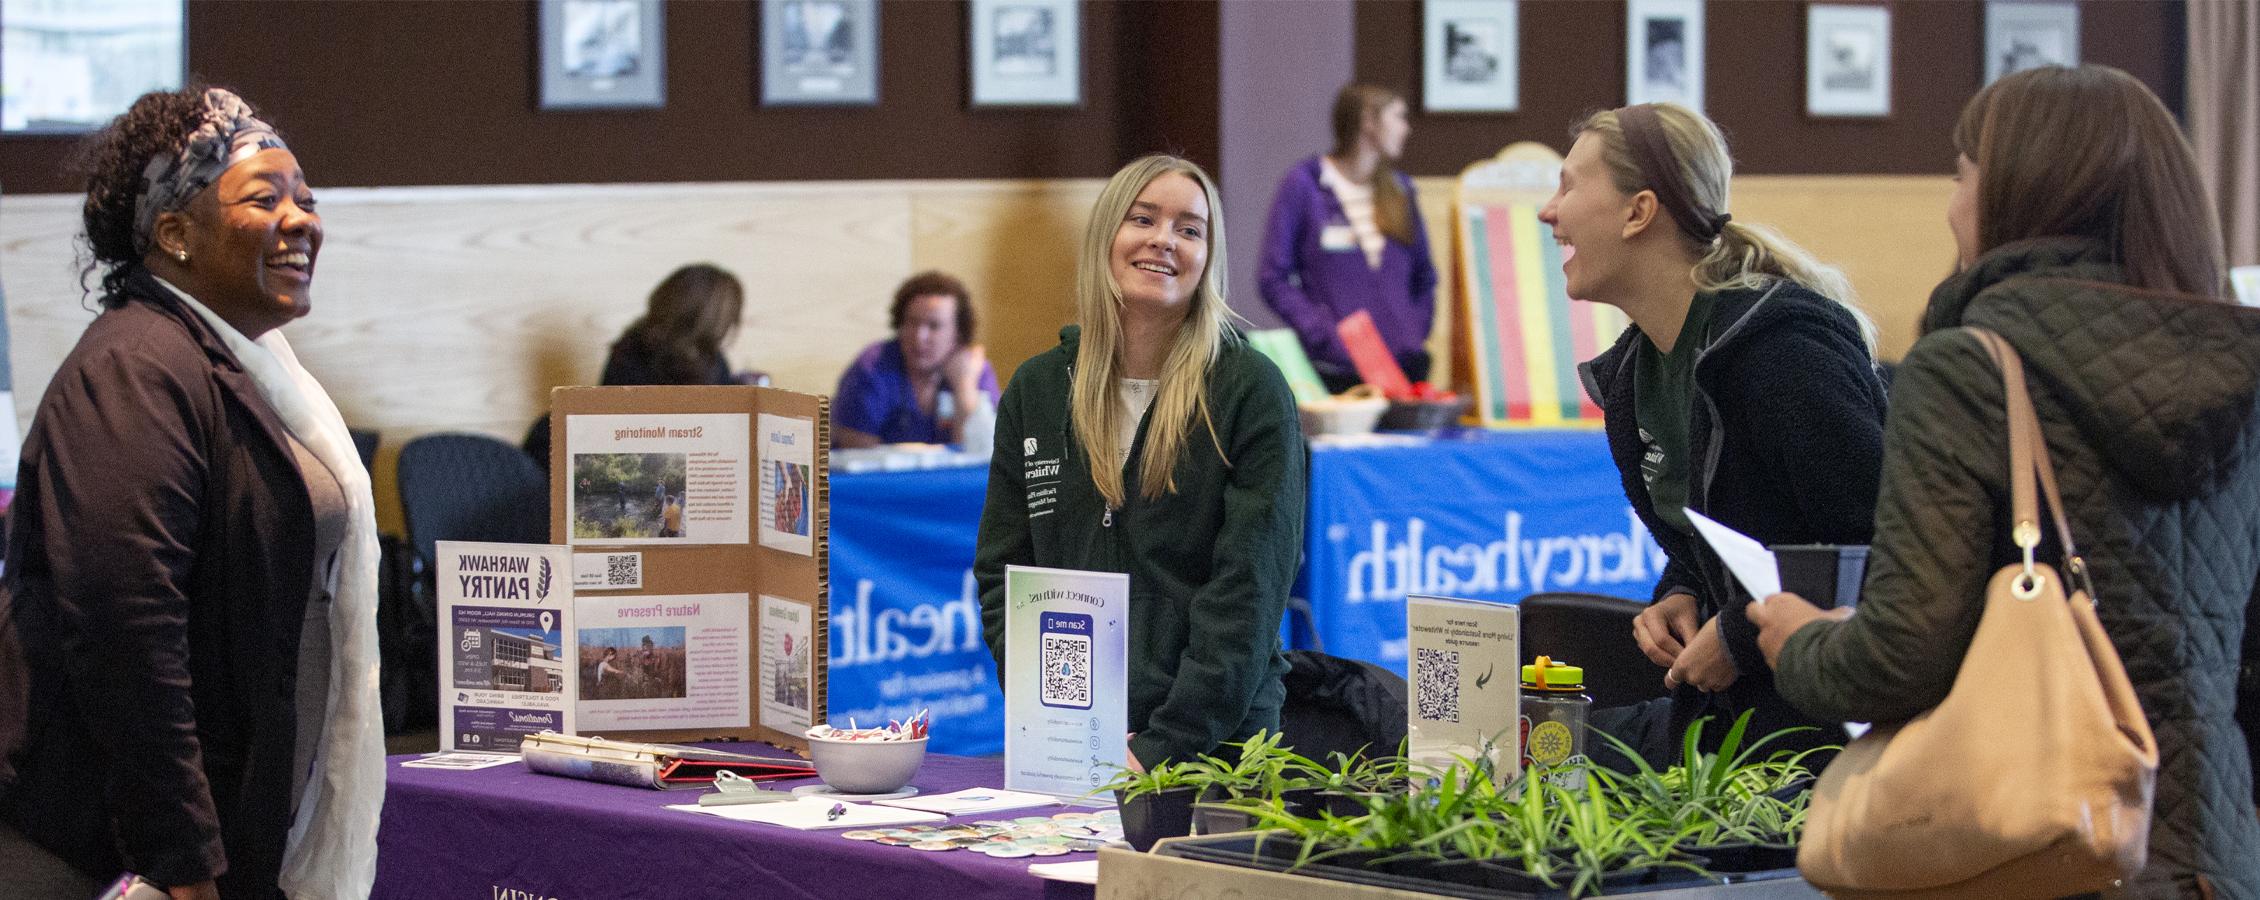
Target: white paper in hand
<point>1752,564</point>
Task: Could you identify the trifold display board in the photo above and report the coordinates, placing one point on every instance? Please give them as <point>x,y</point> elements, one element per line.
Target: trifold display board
<point>1518,337</point>
<point>697,520</point>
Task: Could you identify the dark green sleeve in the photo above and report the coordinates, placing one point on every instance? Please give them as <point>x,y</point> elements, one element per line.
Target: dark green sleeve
<point>1945,457</point>
<point>1235,616</point>
<point>1003,538</point>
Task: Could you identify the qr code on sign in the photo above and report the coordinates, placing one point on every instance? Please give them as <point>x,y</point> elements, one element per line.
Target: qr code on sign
<point>1436,684</point>
<point>623,570</point>
<point>1067,671</point>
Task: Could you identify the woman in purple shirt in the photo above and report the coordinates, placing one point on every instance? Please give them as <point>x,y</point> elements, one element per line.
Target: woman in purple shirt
<point>923,385</point>
<point>1346,235</point>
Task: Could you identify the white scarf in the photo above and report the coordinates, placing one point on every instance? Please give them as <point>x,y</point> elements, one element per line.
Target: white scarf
<point>332,849</point>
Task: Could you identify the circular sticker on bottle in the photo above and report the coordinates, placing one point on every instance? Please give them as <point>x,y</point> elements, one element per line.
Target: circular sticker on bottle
<point>1549,743</point>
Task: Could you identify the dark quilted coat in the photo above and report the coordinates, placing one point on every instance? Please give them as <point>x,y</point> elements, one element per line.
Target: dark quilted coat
<point>2148,404</point>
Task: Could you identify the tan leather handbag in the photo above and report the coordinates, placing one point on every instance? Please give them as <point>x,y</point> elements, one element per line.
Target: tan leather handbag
<point>2033,777</point>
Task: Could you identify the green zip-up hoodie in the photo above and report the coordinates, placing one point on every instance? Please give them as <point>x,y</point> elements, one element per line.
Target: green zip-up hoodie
<point>1210,566</point>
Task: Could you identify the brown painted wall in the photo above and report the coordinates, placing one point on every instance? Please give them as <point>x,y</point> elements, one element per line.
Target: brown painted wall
<point>420,93</point>
<point>1573,62</point>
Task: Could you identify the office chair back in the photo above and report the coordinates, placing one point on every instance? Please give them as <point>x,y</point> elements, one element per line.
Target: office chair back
<point>1595,632</point>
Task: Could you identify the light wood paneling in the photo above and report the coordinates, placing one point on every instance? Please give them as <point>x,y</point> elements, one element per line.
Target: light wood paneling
<point>1887,232</point>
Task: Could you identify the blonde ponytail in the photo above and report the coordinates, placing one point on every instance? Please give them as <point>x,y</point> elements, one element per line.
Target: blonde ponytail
<point>1742,255</point>
<point>1749,256</point>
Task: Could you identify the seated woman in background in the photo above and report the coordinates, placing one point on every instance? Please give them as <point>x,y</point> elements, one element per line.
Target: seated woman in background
<point>2087,241</point>
<point>188,647</point>
<point>895,391</point>
<point>691,316</point>
<point>1745,390</point>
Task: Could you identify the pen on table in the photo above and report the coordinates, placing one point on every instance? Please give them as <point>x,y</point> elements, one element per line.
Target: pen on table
<point>834,814</point>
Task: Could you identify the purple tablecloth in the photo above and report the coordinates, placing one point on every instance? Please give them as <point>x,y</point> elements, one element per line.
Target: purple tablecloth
<point>509,834</point>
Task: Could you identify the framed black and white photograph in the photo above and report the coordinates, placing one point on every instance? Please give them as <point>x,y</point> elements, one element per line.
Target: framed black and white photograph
<point>1470,56</point>
<point>1847,61</point>
<point>73,65</point>
<point>1664,52</point>
<point>602,54</point>
<point>819,52</point>
<point>2022,35</point>
<point>1026,53</point>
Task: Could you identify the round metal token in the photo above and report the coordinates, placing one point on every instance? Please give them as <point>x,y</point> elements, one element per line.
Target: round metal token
<point>861,835</point>
<point>933,846</point>
<point>1009,852</point>
<point>895,840</point>
<point>1048,850</point>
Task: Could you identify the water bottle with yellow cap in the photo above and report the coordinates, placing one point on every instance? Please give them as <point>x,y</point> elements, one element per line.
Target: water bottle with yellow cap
<point>1554,705</point>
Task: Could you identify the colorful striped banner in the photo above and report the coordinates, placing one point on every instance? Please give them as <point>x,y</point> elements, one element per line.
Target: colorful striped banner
<point>1527,336</point>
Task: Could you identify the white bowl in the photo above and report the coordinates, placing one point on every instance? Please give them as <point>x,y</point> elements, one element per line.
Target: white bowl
<point>866,767</point>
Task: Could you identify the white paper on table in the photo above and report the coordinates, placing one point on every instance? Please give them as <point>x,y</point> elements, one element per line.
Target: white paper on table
<point>1752,564</point>
<point>973,800</point>
<point>1080,872</point>
<point>814,813</point>
<point>465,760</point>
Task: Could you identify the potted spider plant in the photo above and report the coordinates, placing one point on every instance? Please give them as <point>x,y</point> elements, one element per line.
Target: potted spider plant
<point>1230,792</point>
<point>1156,803</point>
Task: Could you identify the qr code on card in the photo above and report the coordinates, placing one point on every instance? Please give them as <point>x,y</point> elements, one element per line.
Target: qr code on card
<point>1067,670</point>
<point>1436,684</point>
<point>623,570</point>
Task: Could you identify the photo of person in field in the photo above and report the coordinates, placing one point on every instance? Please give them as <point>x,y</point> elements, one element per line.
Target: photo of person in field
<point>633,663</point>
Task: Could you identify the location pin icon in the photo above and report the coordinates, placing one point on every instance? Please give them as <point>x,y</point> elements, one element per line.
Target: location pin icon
<point>548,621</point>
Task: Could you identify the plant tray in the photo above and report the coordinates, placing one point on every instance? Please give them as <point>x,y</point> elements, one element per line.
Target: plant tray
<point>1271,870</point>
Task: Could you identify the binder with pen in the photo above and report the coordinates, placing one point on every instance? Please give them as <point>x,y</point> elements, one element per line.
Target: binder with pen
<point>660,766</point>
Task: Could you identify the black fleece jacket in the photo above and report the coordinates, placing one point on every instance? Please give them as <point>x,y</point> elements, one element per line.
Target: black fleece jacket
<point>1787,435</point>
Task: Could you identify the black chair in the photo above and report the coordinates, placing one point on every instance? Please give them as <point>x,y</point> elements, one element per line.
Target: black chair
<point>365,445</point>
<point>1341,705</point>
<point>470,487</point>
<point>1594,632</point>
<point>453,487</point>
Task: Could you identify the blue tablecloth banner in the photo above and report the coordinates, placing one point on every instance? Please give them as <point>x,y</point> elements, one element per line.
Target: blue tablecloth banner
<point>906,619</point>
<point>1484,515</point>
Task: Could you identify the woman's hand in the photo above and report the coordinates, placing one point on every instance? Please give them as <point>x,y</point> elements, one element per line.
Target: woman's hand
<point>1132,758</point>
<point>202,890</point>
<point>1665,627</point>
<point>963,372</point>
<point>1780,615</point>
<point>1704,662</point>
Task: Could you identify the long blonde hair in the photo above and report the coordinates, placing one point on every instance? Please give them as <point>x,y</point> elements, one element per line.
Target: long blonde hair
<point>1744,255</point>
<point>1094,405</point>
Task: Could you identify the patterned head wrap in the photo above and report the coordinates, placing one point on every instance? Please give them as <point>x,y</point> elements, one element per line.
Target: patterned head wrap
<point>1651,152</point>
<point>228,135</point>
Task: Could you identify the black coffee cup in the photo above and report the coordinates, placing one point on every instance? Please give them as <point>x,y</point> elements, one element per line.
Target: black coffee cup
<point>1827,575</point>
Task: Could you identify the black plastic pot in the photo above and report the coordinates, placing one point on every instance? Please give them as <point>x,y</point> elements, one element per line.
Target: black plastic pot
<point>1147,818</point>
<point>1744,858</point>
<point>1213,814</point>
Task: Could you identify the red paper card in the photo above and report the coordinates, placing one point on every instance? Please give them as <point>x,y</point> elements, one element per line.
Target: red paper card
<point>1372,357</point>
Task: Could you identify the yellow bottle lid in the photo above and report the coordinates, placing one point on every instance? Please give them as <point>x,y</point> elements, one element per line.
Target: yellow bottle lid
<point>1548,675</point>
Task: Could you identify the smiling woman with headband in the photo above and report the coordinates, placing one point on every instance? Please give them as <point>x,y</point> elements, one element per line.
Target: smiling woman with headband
<point>1746,389</point>
<point>188,666</point>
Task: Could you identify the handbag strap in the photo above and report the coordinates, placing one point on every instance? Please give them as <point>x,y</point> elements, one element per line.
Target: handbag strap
<point>2028,459</point>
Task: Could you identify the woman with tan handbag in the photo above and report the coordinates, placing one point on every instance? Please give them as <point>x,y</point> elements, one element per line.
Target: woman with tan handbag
<point>2089,245</point>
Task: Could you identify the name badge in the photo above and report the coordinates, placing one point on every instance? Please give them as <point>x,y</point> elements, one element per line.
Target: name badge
<point>1337,239</point>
